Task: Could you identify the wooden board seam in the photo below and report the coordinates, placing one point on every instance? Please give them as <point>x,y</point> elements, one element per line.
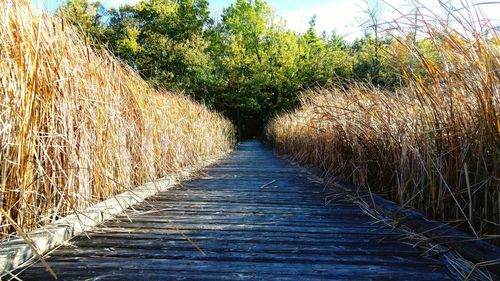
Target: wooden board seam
<point>475,250</point>
<point>15,252</point>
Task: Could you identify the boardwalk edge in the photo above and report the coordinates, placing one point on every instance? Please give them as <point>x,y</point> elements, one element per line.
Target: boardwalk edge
<point>471,248</point>
<point>17,252</point>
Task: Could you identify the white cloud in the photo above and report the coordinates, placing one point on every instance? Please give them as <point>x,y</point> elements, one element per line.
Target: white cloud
<point>118,3</point>
<point>342,16</point>
<point>345,16</point>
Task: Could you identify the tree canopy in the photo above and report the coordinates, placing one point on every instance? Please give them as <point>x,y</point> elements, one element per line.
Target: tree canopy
<point>246,64</point>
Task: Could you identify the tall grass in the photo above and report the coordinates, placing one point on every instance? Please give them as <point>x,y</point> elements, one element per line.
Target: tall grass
<point>433,145</point>
<point>77,126</point>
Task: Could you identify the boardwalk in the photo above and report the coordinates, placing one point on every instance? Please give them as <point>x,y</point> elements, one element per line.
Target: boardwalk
<point>255,217</point>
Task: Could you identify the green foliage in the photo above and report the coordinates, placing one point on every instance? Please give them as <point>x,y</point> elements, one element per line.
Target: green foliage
<point>165,41</point>
<point>87,15</point>
<point>322,58</point>
<point>248,65</point>
<point>266,65</point>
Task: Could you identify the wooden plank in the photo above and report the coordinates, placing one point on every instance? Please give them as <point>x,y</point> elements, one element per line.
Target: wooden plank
<point>474,249</point>
<point>84,264</point>
<point>248,220</point>
<point>266,238</point>
<point>121,274</point>
<point>223,254</point>
<point>307,216</point>
<point>316,236</point>
<point>15,252</point>
<point>283,231</point>
<point>375,249</point>
<point>247,197</point>
<point>248,205</point>
<point>242,226</point>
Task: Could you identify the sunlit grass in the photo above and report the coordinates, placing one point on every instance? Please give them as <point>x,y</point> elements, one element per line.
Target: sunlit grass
<point>77,126</point>
<point>433,145</point>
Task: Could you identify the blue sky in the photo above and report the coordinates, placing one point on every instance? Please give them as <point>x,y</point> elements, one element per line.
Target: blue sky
<point>282,5</point>
<point>343,16</point>
<point>340,15</point>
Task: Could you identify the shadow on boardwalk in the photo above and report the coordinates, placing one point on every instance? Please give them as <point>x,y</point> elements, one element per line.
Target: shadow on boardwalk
<point>251,217</point>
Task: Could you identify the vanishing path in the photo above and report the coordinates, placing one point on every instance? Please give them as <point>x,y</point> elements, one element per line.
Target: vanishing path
<point>256,217</point>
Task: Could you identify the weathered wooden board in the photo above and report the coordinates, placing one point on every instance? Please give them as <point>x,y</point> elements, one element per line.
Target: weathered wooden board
<point>255,217</point>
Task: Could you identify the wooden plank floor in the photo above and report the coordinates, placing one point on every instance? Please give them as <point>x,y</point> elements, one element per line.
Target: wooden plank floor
<point>256,217</point>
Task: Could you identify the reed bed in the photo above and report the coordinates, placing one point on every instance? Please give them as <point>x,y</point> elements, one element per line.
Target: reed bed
<point>432,145</point>
<point>77,126</point>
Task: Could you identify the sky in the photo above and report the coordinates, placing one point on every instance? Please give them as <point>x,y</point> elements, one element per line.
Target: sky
<point>342,16</point>
<point>339,15</point>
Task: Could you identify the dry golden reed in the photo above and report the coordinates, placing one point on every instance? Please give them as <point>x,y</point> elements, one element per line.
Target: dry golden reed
<point>77,126</point>
<point>433,145</point>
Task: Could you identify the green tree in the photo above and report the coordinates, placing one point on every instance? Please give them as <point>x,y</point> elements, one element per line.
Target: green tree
<point>248,65</point>
<point>165,41</point>
<point>86,15</point>
<point>373,11</point>
<point>242,30</point>
<point>266,65</point>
